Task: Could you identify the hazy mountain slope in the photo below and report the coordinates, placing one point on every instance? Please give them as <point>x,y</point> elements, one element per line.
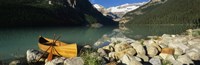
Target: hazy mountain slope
<point>165,12</point>
<point>50,13</point>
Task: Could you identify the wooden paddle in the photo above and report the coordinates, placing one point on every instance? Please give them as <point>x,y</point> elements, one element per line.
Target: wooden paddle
<point>50,56</point>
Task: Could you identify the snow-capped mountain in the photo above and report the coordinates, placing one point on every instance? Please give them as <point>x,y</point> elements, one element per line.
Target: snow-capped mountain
<point>101,9</point>
<point>125,7</point>
<point>117,12</point>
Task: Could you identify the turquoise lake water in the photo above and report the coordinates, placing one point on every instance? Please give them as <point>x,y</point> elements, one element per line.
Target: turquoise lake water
<point>15,41</point>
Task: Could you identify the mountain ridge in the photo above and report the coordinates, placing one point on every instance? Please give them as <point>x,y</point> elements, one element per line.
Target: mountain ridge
<point>116,12</point>
<point>165,12</point>
<point>50,13</point>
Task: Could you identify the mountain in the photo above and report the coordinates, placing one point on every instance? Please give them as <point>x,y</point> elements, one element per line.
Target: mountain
<point>117,12</point>
<point>165,12</point>
<point>50,13</point>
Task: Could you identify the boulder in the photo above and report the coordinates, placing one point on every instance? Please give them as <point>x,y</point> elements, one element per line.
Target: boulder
<point>178,51</point>
<point>101,52</point>
<point>56,61</point>
<point>74,61</point>
<point>168,51</point>
<point>193,55</point>
<point>144,57</point>
<point>152,51</point>
<point>129,60</point>
<point>155,61</point>
<point>118,55</point>
<point>194,41</point>
<point>108,48</point>
<point>15,62</point>
<point>87,47</point>
<point>139,48</point>
<point>121,47</point>
<point>184,59</point>
<point>33,55</point>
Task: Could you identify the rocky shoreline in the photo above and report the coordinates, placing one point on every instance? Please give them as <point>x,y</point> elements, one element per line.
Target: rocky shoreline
<point>156,50</point>
<point>117,49</point>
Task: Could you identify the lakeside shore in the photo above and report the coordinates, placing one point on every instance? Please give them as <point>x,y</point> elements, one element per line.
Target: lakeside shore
<point>116,49</point>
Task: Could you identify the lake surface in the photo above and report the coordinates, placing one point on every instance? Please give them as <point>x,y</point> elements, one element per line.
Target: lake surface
<point>15,41</point>
<point>142,31</point>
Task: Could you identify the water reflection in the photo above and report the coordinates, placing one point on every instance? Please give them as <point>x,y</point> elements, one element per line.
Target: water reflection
<point>141,31</point>
<point>15,41</point>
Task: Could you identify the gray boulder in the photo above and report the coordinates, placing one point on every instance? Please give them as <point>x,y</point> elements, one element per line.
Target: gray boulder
<point>33,55</point>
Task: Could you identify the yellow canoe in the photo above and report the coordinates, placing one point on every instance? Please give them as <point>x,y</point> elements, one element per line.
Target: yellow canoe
<point>60,48</point>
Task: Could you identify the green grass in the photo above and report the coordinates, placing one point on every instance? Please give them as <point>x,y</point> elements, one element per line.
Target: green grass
<point>89,59</point>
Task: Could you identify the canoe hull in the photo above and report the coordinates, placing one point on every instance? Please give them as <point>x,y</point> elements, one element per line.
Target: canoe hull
<point>60,48</point>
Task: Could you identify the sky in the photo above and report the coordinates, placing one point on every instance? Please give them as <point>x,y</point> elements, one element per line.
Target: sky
<point>110,3</point>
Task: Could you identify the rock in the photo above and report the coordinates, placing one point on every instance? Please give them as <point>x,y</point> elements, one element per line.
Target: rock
<point>112,55</point>
<point>122,39</point>
<point>101,52</point>
<point>155,61</point>
<point>139,48</point>
<point>112,63</point>
<point>163,46</point>
<point>74,61</point>
<point>194,41</point>
<point>152,43</point>
<point>121,47</point>
<point>170,58</point>
<point>193,55</point>
<point>178,45</point>
<point>178,51</point>
<point>129,60</point>
<point>108,48</point>
<point>138,58</point>
<point>152,51</point>
<point>168,51</point>
<point>56,61</point>
<point>96,25</point>
<point>129,51</point>
<point>15,62</point>
<point>197,45</point>
<point>144,57</point>
<point>165,56</point>
<point>118,55</point>
<point>112,44</point>
<point>33,55</point>
<point>87,47</point>
<point>184,59</point>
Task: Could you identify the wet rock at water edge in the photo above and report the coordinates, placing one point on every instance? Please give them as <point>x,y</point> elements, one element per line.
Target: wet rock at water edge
<point>15,62</point>
<point>34,55</point>
<point>87,47</point>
